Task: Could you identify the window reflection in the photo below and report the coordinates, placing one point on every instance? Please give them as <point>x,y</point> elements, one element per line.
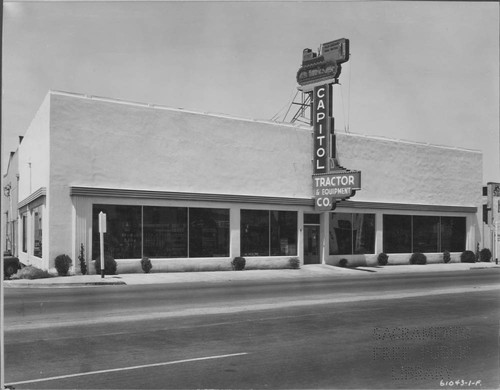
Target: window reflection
<point>208,232</point>
<point>165,232</point>
<point>352,233</point>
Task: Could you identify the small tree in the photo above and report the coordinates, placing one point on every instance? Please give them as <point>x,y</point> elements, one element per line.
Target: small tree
<point>62,264</point>
<point>81,258</point>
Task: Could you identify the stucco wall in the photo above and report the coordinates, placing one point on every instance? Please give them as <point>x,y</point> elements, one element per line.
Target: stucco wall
<point>108,144</point>
<point>105,144</point>
<point>404,172</point>
<point>9,204</point>
<point>34,153</point>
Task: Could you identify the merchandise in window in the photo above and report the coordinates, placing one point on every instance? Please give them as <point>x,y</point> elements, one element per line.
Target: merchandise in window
<point>208,232</point>
<point>283,233</point>
<point>123,239</point>
<point>352,233</point>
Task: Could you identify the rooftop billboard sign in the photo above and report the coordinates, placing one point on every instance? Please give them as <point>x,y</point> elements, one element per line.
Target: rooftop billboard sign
<point>323,67</point>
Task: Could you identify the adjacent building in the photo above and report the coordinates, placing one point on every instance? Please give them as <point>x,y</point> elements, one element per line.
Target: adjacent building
<point>191,191</point>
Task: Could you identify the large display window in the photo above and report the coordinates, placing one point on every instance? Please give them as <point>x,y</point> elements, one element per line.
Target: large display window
<point>208,232</point>
<point>429,234</point>
<point>453,234</point>
<point>123,238</point>
<point>352,233</point>
<point>162,232</point>
<point>165,232</point>
<point>268,233</point>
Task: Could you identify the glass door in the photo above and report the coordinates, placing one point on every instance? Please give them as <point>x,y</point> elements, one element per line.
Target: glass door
<point>311,244</point>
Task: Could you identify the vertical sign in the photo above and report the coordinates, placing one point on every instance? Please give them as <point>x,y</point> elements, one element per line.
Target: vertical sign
<point>321,121</point>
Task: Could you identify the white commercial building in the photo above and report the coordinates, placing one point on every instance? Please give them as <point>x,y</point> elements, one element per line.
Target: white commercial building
<point>191,191</point>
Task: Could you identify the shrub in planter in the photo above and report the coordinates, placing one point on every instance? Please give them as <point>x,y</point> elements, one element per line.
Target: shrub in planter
<point>146,264</point>
<point>109,265</point>
<point>343,263</point>
<point>294,262</point>
<point>62,264</point>
<point>446,256</point>
<point>418,258</point>
<point>382,258</point>
<point>485,255</point>
<point>467,257</point>
<point>238,263</point>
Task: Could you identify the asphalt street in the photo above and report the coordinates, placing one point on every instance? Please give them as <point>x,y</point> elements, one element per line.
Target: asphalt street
<point>397,331</point>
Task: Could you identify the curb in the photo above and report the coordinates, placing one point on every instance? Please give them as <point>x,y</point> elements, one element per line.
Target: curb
<point>52,285</point>
<point>314,273</point>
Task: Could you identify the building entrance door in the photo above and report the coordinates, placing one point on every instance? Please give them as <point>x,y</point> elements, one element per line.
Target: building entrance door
<point>311,244</point>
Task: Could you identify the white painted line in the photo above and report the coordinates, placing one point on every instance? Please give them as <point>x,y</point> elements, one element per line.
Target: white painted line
<point>127,368</point>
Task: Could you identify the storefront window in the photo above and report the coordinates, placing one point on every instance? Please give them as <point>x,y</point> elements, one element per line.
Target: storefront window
<point>352,233</point>
<point>162,232</point>
<point>265,233</point>
<point>340,233</point>
<point>208,232</point>
<point>453,234</point>
<point>165,232</point>
<point>430,234</point>
<point>397,233</point>
<point>123,238</point>
<point>283,233</point>
<point>363,233</point>
<point>37,226</point>
<point>254,233</point>
<point>425,234</point>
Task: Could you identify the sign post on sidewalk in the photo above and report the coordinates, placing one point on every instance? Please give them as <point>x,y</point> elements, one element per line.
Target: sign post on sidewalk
<point>102,230</point>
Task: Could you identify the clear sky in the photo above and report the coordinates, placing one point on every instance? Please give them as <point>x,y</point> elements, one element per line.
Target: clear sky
<point>419,71</point>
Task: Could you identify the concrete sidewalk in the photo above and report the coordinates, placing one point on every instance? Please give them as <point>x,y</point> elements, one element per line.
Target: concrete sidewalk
<point>316,271</point>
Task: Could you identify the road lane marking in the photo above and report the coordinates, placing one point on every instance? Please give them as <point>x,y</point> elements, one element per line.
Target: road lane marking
<point>127,368</point>
<point>250,306</point>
